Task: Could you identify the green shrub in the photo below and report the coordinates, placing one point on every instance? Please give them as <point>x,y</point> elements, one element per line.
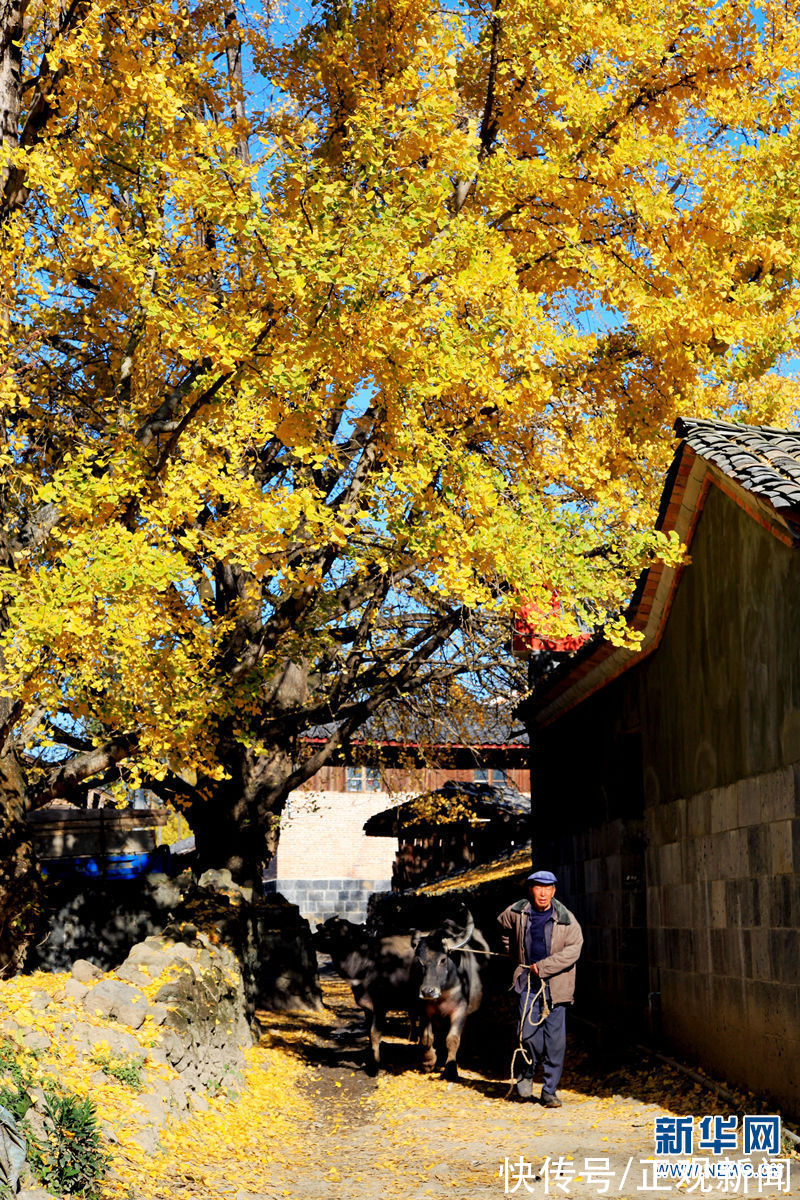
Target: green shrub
<point>68,1156</point>
<point>17,1079</point>
<point>125,1070</point>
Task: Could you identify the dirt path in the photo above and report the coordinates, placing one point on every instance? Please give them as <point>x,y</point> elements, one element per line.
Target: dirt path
<point>411,1136</point>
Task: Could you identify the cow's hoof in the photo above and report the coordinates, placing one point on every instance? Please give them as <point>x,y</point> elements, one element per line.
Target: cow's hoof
<point>450,1072</point>
<point>372,1069</point>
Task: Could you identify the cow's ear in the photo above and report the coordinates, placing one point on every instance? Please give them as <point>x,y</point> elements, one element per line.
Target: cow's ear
<point>416,937</point>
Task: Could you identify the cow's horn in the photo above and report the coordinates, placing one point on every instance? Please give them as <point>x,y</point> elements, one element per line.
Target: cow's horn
<point>461,939</point>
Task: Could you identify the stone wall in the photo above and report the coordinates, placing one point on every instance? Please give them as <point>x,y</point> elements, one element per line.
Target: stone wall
<point>724,910</point>
<point>101,920</point>
<point>318,899</point>
<point>589,829</point>
<point>168,1024</point>
<point>271,942</point>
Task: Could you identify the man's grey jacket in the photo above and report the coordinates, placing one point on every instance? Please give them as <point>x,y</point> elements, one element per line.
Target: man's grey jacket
<point>563,938</point>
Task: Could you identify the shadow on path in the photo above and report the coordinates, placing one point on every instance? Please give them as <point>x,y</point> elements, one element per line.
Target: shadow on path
<point>337,1039</point>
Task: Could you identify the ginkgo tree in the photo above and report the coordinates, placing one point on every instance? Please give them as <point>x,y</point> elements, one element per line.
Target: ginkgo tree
<point>321,333</point>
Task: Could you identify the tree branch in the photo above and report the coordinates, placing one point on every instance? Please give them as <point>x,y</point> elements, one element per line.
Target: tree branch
<point>66,776</point>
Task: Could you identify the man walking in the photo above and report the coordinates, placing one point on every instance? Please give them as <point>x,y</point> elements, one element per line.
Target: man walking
<point>544,940</point>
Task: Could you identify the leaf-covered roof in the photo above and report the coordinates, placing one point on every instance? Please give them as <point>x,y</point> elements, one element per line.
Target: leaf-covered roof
<point>455,802</point>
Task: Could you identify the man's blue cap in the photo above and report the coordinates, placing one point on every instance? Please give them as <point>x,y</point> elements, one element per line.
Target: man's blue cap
<point>547,878</point>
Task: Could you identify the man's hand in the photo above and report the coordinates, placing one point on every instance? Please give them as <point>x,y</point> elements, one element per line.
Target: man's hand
<point>534,968</point>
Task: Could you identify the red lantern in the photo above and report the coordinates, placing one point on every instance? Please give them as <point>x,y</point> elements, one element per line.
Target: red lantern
<point>525,638</point>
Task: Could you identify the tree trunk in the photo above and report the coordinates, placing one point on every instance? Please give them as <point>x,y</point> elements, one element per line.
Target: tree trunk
<point>236,820</point>
<point>20,881</point>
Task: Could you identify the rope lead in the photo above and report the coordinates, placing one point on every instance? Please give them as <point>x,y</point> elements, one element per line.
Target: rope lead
<point>527,1009</point>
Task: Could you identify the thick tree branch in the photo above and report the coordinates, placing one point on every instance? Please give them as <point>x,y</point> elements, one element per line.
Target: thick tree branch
<point>64,778</point>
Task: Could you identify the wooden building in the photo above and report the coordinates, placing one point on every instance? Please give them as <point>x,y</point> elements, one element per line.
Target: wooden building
<point>101,842</point>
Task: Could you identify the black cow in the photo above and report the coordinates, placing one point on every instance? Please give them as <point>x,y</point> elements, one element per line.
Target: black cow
<point>378,970</point>
<point>447,979</point>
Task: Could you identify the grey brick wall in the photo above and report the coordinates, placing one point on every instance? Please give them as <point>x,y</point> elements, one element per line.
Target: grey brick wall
<point>723,906</point>
<point>319,899</point>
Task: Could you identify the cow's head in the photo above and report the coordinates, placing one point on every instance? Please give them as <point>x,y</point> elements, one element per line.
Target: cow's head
<point>434,970</point>
<point>336,936</point>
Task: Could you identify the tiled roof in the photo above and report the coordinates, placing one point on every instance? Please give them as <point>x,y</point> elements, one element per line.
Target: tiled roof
<point>515,865</point>
<point>763,460</point>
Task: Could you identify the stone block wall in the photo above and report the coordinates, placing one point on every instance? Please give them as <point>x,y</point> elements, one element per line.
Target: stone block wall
<point>100,919</point>
<point>723,906</point>
<point>319,899</point>
<point>601,879</point>
<point>696,750</point>
<point>589,830</point>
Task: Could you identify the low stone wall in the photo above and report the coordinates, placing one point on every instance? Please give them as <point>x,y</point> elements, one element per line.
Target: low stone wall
<point>175,1008</point>
<point>102,921</point>
<point>269,938</point>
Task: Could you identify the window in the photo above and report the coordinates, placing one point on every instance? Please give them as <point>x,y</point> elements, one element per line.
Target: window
<point>494,775</point>
<point>363,779</point>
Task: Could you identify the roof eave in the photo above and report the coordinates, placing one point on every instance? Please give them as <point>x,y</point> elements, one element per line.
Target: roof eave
<point>686,487</point>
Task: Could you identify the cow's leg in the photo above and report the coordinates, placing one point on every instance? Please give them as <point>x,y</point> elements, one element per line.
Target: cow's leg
<point>453,1041</point>
<point>428,1048</point>
<point>416,1020</point>
<point>375,1035</point>
<point>373,1026</point>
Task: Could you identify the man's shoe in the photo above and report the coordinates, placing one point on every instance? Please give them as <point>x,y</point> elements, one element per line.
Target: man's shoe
<point>549,1100</point>
<point>525,1087</point>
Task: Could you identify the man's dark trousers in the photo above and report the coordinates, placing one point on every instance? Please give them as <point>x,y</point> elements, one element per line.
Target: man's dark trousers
<point>546,1043</point>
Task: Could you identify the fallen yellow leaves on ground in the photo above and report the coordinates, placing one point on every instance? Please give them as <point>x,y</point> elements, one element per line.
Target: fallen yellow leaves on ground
<point>240,1140</point>
<point>239,1136</point>
<point>308,1123</point>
